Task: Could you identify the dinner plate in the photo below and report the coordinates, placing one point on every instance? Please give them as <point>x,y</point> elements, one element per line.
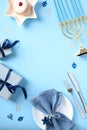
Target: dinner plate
<point>65,108</point>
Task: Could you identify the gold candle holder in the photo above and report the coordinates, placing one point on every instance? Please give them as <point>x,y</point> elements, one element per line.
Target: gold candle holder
<point>75,29</point>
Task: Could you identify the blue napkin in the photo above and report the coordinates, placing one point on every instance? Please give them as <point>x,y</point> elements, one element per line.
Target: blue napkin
<point>47,102</point>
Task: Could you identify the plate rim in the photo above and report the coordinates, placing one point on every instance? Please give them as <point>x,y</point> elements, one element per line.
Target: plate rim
<point>33,109</point>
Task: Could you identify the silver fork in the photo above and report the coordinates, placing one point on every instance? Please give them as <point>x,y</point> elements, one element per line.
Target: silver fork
<point>70,90</point>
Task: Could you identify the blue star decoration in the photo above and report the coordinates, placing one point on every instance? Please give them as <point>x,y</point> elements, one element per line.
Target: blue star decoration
<point>47,121</point>
<point>74,65</point>
<point>44,3</point>
<point>20,118</point>
<point>10,116</point>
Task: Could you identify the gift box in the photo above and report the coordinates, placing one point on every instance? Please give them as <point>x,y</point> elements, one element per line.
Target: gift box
<point>9,81</point>
<point>6,47</point>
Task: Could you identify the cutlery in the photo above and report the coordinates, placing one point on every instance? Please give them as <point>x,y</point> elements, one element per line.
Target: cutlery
<point>70,90</point>
<point>76,85</point>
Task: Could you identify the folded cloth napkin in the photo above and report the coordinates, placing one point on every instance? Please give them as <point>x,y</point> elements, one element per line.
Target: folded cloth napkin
<point>47,102</point>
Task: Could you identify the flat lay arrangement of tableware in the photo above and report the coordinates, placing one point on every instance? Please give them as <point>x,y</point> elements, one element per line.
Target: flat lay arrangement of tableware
<point>42,84</point>
<point>65,108</point>
<point>57,111</point>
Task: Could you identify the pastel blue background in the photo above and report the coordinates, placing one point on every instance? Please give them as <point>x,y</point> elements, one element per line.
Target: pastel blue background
<point>43,58</point>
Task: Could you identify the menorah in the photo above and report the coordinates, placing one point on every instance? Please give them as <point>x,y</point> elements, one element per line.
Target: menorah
<point>72,21</point>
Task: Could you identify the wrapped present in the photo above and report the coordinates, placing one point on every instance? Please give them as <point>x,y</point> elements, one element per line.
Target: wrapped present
<point>9,82</point>
<point>6,47</point>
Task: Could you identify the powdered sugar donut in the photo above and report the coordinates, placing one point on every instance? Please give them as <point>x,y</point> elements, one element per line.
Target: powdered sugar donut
<point>20,6</point>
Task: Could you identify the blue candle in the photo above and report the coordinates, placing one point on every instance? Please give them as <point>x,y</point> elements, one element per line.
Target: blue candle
<point>80,7</point>
<point>68,9</point>
<point>58,9</point>
<point>77,7</point>
<point>74,8</point>
<point>63,7</point>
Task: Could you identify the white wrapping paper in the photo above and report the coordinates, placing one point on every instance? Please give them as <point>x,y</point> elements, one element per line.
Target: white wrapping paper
<point>6,51</point>
<point>14,79</point>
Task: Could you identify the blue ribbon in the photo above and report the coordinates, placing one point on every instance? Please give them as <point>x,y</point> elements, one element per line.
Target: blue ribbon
<point>10,87</point>
<point>7,45</point>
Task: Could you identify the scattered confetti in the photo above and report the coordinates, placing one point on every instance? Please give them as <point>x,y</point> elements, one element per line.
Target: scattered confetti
<point>10,116</point>
<point>44,4</point>
<point>74,65</point>
<point>47,121</point>
<point>0,41</point>
<point>7,29</point>
<point>20,118</point>
<point>72,45</point>
<point>1,12</point>
<point>18,108</point>
<point>48,11</point>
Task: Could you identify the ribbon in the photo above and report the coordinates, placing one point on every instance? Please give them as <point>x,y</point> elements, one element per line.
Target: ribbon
<point>11,88</point>
<point>7,45</point>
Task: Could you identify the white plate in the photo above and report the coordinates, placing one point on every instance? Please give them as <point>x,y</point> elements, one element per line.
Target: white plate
<point>65,108</point>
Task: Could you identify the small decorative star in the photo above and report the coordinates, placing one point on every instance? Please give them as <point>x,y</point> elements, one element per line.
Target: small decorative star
<point>47,121</point>
<point>18,108</point>
<point>10,116</point>
<point>74,65</point>
<point>21,10</point>
<point>7,29</point>
<point>20,118</point>
<point>48,11</point>
<point>44,4</point>
<point>72,45</point>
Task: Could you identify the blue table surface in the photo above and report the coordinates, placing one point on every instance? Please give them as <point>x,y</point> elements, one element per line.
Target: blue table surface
<point>43,58</point>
